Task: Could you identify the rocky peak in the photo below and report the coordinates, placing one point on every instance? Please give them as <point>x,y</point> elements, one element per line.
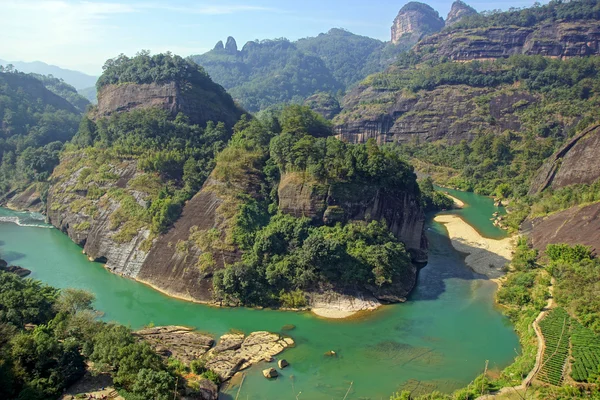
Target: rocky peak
<point>459,10</point>
<point>231,46</point>
<point>416,19</point>
<point>219,46</point>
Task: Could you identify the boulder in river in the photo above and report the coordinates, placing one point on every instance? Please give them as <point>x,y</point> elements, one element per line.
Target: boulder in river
<point>270,373</point>
<point>282,364</point>
<point>13,269</point>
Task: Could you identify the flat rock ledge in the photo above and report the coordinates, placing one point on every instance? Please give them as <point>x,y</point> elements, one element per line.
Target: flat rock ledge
<point>334,305</point>
<point>232,353</point>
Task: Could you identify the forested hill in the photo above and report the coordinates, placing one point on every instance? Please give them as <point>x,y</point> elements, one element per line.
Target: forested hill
<point>267,72</point>
<point>34,125</point>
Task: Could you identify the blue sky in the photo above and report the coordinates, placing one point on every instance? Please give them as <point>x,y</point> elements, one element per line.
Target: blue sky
<point>81,35</point>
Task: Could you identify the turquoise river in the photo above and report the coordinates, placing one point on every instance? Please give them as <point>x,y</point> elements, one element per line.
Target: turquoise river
<point>439,340</point>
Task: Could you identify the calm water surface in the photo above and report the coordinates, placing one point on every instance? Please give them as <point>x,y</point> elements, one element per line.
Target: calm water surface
<point>439,340</point>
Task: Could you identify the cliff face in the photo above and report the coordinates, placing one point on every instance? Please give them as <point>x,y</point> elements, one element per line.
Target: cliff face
<point>555,39</point>
<point>87,221</point>
<point>416,20</point>
<point>199,104</point>
<point>459,11</point>
<point>577,225</point>
<point>334,203</point>
<point>452,113</point>
<point>576,162</point>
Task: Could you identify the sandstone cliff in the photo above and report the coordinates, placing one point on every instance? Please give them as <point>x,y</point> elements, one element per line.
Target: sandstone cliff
<point>576,162</point>
<point>552,39</point>
<point>414,21</point>
<point>452,113</point>
<point>332,203</point>
<point>459,11</point>
<point>200,104</point>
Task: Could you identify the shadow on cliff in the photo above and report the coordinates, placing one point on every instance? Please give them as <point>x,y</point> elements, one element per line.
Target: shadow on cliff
<point>444,263</point>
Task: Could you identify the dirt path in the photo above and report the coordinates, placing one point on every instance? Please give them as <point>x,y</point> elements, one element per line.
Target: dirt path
<point>522,388</point>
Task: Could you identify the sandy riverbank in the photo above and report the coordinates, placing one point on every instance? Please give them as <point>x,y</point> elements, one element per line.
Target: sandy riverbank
<point>485,256</point>
<point>457,202</point>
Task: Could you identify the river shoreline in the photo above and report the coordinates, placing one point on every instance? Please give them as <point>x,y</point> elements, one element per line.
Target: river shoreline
<point>483,255</point>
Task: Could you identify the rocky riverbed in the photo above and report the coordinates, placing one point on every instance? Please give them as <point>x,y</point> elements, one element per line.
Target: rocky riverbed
<point>233,352</point>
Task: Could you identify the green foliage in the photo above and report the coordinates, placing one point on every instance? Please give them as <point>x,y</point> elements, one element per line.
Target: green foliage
<point>144,68</point>
<point>268,72</point>
<point>289,256</point>
<point>551,200</point>
<point>585,349</point>
<point>349,57</point>
<point>64,90</point>
<point>555,328</point>
<point>432,199</point>
<point>568,254</point>
<point>524,258</point>
<point>34,124</point>
<point>555,10</point>
<point>577,275</point>
<point>25,301</point>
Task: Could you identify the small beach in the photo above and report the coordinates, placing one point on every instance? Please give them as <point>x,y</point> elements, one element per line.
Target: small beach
<point>484,255</point>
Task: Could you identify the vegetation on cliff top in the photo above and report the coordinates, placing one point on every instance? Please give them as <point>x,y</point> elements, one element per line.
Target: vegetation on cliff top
<point>555,10</point>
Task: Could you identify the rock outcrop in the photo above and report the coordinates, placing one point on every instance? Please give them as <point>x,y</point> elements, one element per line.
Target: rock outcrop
<point>415,20</point>
<point>233,352</point>
<point>199,104</point>
<point>302,197</point>
<point>553,39</point>
<point>576,162</point>
<point>452,113</point>
<point>325,104</point>
<point>87,220</point>
<point>459,10</point>
<point>178,342</point>
<point>27,200</point>
<point>13,269</point>
<point>576,225</point>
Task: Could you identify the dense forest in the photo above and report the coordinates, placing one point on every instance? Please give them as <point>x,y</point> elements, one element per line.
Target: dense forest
<point>35,124</point>
<point>265,73</point>
<point>47,336</point>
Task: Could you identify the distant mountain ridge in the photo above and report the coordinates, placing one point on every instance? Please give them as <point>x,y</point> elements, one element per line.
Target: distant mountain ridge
<point>77,79</point>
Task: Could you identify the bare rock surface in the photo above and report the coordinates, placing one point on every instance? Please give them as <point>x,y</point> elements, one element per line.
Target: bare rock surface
<point>254,349</point>
<point>233,352</point>
<point>180,342</point>
<point>415,19</point>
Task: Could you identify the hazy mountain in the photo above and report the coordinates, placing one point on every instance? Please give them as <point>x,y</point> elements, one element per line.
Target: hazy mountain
<point>77,79</point>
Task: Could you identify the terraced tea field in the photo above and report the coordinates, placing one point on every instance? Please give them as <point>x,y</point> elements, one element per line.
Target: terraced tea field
<point>556,331</point>
<point>585,351</point>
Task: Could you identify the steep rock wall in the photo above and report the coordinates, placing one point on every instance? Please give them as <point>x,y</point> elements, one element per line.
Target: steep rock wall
<point>198,104</point>
<point>87,221</point>
<point>452,113</point>
<point>577,225</point>
<point>557,39</point>
<point>415,19</point>
<point>576,162</point>
<point>347,202</point>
